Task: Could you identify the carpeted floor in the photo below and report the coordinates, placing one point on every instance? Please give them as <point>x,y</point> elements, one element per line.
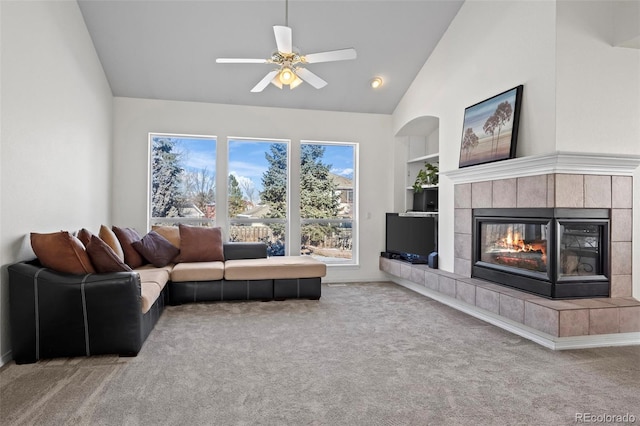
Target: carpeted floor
<point>365,354</point>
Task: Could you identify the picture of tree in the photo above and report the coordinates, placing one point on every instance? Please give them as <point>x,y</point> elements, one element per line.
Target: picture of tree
<point>491,129</point>
<point>469,141</point>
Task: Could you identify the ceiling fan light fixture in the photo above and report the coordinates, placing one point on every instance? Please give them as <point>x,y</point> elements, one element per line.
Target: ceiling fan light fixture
<point>295,83</point>
<point>376,82</point>
<point>286,76</point>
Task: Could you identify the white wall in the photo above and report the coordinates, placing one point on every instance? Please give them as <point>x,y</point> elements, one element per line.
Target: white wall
<point>598,85</point>
<point>56,130</point>
<point>135,118</point>
<point>490,46</point>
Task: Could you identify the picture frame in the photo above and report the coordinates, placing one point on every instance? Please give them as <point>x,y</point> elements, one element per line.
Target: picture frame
<point>490,129</point>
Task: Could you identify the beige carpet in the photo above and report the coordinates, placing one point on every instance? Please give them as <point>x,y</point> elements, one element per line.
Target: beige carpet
<point>365,354</point>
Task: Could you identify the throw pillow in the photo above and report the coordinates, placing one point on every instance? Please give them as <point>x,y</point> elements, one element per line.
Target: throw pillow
<point>171,233</point>
<point>61,252</point>
<point>199,244</point>
<point>109,237</point>
<point>84,236</point>
<point>156,249</point>
<point>127,236</point>
<point>103,257</point>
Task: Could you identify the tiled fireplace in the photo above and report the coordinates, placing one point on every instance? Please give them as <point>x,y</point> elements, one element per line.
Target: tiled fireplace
<point>552,191</point>
<point>555,183</point>
<point>555,253</point>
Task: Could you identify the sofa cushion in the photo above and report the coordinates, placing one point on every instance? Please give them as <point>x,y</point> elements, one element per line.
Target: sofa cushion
<point>103,258</point>
<point>157,276</point>
<point>109,237</point>
<point>171,233</point>
<point>61,252</point>
<point>149,292</point>
<point>200,244</point>
<point>126,236</point>
<point>152,281</point>
<point>84,235</point>
<point>198,271</point>
<point>156,249</point>
<point>274,268</point>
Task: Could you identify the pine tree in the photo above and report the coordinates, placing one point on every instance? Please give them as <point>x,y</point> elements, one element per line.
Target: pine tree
<point>318,197</point>
<point>166,170</point>
<point>274,181</point>
<point>236,203</point>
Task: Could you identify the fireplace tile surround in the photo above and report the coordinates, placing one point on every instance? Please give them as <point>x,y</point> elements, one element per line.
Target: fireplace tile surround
<point>552,191</point>
<point>560,180</point>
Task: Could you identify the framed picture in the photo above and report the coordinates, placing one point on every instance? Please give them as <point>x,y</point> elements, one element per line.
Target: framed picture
<point>490,129</point>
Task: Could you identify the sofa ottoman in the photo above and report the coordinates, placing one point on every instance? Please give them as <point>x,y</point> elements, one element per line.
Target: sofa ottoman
<point>293,276</point>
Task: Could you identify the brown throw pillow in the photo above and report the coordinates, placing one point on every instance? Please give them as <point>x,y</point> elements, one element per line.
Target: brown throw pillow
<point>103,257</point>
<point>156,249</point>
<point>61,252</point>
<point>84,236</point>
<point>109,237</point>
<point>127,236</point>
<point>171,233</point>
<point>199,244</point>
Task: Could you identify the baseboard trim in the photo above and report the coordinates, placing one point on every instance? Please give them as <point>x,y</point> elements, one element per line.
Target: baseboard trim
<point>543,339</point>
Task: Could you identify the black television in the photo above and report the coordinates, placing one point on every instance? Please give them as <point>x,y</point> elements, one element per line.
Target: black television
<point>410,238</point>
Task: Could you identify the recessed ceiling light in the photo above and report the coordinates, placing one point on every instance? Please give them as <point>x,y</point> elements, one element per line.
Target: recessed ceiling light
<point>376,82</point>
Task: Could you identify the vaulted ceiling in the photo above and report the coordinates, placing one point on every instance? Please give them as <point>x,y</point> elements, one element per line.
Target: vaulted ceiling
<point>167,49</point>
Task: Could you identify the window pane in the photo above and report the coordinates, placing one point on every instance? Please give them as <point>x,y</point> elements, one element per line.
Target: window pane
<point>326,181</point>
<point>327,197</point>
<point>327,241</point>
<point>183,170</point>
<point>272,234</point>
<point>258,192</point>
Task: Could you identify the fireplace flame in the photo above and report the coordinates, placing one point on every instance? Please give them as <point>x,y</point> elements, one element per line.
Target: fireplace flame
<point>514,243</point>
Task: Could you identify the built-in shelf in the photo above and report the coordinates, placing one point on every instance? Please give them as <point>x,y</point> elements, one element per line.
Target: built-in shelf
<point>419,214</point>
<point>423,187</point>
<point>431,158</point>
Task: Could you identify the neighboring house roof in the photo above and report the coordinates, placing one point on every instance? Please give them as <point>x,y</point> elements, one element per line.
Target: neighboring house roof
<point>341,181</point>
<point>256,212</point>
<point>190,210</point>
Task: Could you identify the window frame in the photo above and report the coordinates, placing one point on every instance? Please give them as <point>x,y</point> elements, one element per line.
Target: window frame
<point>175,220</point>
<point>355,259</point>
<point>286,221</point>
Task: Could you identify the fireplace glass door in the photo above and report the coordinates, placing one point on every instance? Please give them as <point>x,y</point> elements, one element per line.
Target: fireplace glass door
<point>581,250</point>
<point>557,253</point>
<point>518,245</point>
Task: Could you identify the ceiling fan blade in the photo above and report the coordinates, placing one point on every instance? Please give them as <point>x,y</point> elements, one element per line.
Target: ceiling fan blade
<point>310,78</point>
<point>264,82</point>
<point>283,38</point>
<point>334,55</point>
<point>241,61</point>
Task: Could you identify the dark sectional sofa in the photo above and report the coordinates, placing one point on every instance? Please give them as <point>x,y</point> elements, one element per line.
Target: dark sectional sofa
<point>55,314</point>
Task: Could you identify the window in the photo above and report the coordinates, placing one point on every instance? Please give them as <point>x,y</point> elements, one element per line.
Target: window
<point>183,176</point>
<point>258,192</point>
<point>327,201</point>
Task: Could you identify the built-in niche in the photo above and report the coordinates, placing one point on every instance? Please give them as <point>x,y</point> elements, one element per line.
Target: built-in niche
<point>418,141</point>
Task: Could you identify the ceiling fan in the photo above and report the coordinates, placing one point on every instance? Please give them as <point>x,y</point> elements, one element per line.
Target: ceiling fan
<point>290,69</point>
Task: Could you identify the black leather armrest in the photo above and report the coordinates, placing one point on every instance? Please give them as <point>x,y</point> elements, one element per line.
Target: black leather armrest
<point>234,251</point>
<point>60,315</point>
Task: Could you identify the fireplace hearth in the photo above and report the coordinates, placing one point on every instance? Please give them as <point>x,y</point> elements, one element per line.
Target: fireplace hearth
<point>556,253</point>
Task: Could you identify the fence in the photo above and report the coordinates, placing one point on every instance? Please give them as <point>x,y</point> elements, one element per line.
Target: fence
<point>250,233</point>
